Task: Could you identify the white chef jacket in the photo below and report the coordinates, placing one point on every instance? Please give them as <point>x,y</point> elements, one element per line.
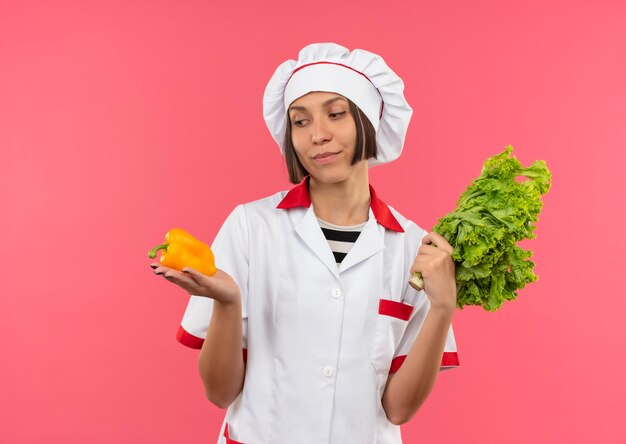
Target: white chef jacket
<point>319,339</point>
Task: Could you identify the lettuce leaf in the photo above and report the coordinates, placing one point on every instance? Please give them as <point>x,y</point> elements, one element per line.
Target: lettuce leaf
<point>494,213</point>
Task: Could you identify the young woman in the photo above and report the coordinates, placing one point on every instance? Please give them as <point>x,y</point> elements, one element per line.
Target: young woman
<point>309,331</point>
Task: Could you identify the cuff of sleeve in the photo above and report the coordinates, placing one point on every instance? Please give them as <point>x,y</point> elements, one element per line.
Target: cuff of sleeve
<point>192,341</point>
<point>227,436</point>
<point>188,339</point>
<point>449,359</point>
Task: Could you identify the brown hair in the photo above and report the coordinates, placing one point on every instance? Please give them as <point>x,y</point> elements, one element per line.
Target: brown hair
<point>365,144</point>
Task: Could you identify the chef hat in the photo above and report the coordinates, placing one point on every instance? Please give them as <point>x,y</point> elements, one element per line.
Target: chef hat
<point>361,76</point>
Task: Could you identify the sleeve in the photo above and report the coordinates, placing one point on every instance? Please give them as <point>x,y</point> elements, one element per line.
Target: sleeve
<point>231,252</point>
<point>450,357</point>
<point>421,305</point>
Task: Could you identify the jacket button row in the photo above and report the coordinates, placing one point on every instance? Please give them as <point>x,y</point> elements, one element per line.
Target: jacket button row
<point>328,372</point>
<point>336,293</point>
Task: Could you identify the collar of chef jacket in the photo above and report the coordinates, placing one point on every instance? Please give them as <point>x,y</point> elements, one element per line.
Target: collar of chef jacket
<point>372,238</point>
<point>298,196</point>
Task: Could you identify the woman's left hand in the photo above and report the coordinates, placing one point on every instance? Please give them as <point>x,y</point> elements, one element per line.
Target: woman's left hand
<point>434,261</point>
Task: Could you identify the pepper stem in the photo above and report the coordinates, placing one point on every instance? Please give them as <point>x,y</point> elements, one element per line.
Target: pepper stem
<point>152,253</point>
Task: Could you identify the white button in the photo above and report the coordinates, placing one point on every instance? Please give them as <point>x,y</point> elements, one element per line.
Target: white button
<point>336,292</point>
<point>328,371</point>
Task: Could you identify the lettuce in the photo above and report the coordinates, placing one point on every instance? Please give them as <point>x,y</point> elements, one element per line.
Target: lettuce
<point>494,213</point>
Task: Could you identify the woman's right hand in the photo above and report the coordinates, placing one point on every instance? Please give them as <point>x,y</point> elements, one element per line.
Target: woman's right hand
<point>220,286</point>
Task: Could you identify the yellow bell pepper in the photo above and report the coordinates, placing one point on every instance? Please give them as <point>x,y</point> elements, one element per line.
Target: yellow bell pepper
<point>182,250</point>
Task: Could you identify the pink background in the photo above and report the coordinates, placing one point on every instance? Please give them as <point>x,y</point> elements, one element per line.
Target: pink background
<point>120,120</point>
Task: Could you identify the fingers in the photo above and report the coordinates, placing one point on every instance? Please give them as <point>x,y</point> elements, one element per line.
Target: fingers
<point>424,264</point>
<point>218,286</point>
<point>438,241</point>
<point>417,265</point>
<point>429,250</point>
<point>428,263</point>
<point>159,269</point>
<point>196,276</point>
<point>435,249</point>
<point>183,280</point>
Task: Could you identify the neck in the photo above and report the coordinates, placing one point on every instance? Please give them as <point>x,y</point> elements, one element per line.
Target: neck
<point>342,203</point>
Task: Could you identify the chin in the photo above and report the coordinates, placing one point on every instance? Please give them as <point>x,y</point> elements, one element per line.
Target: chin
<point>330,177</point>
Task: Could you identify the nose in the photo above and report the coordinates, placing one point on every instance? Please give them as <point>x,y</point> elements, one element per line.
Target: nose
<point>319,133</point>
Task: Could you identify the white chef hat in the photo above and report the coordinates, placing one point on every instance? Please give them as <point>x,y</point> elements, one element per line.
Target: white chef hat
<point>361,76</point>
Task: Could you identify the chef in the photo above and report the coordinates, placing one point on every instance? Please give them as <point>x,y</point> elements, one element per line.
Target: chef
<point>309,332</point>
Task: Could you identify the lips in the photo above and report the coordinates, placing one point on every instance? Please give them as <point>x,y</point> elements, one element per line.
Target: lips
<point>323,155</point>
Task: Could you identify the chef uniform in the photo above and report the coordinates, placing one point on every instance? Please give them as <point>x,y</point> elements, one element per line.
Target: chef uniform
<point>320,339</point>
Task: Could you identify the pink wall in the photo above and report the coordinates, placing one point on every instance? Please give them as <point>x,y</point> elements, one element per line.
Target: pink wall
<point>119,120</point>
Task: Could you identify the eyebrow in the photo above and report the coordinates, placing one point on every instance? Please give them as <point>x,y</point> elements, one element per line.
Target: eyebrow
<point>326,103</point>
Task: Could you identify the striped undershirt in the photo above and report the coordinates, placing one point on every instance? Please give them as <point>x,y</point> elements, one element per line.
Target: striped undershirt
<point>340,238</point>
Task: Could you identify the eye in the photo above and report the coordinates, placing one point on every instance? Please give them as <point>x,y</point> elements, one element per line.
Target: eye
<point>336,115</point>
<point>299,123</point>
